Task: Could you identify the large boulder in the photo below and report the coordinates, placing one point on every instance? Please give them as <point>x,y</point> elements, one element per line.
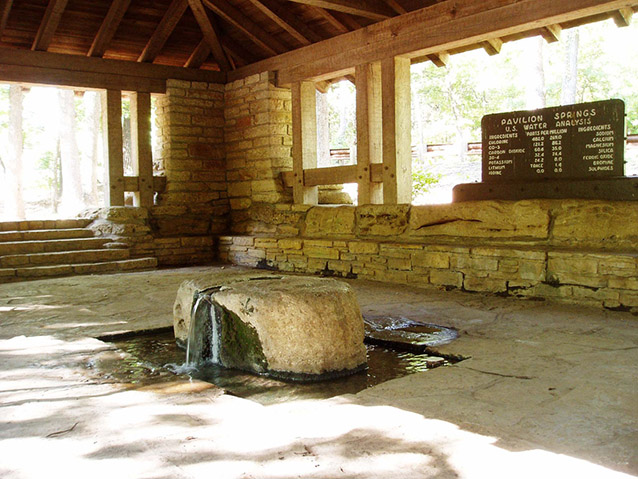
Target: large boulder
<point>286,327</point>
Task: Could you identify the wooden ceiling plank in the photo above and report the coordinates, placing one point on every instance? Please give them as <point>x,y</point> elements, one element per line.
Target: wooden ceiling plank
<point>350,22</point>
<point>253,31</point>
<point>49,25</point>
<point>551,33</point>
<point>622,17</point>
<point>166,26</point>
<point>364,8</point>
<point>108,28</point>
<point>295,27</point>
<point>211,35</point>
<point>199,55</point>
<point>5,8</point>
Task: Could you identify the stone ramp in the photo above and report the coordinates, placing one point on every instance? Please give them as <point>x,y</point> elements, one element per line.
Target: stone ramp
<point>51,248</point>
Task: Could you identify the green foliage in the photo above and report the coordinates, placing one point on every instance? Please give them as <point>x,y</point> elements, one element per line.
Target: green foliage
<point>422,179</point>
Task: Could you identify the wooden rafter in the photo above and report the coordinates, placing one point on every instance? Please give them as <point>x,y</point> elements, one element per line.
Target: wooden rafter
<point>108,28</point>
<point>332,20</point>
<point>364,8</point>
<point>253,31</point>
<point>349,21</point>
<point>236,51</point>
<point>394,5</point>
<point>295,27</point>
<point>49,25</point>
<point>439,59</point>
<point>166,26</point>
<point>199,55</point>
<point>211,34</point>
<point>551,33</point>
<point>5,8</point>
<point>492,46</point>
<point>622,17</point>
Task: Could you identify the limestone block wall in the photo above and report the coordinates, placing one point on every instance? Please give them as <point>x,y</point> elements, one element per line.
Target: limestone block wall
<point>194,206</point>
<point>258,134</point>
<point>575,250</point>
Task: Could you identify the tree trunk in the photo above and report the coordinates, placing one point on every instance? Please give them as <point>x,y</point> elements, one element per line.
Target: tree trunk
<point>14,204</point>
<point>570,78</point>
<point>94,112</point>
<point>72,201</point>
<point>535,87</point>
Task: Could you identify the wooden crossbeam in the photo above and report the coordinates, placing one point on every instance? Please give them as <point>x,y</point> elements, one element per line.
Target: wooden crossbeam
<point>166,26</point>
<point>282,17</point>
<point>551,33</point>
<point>253,31</point>
<point>349,21</point>
<point>334,175</point>
<point>622,17</point>
<point>445,26</point>
<point>211,34</point>
<point>439,59</point>
<point>364,8</point>
<point>5,9</point>
<point>108,28</point>
<point>492,46</point>
<point>49,25</point>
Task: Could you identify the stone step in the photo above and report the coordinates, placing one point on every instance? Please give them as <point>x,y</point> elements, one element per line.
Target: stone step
<point>8,275</point>
<point>47,234</point>
<point>63,258</point>
<point>43,224</point>
<point>50,246</point>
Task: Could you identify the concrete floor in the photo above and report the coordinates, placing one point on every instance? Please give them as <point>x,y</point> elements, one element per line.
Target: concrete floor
<point>549,391</point>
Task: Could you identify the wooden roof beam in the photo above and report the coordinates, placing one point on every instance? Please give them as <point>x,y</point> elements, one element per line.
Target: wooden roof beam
<point>394,5</point>
<point>166,26</point>
<point>282,17</point>
<point>199,55</point>
<point>331,19</point>
<point>364,8</point>
<point>492,46</point>
<point>5,8</point>
<point>350,22</point>
<point>253,31</point>
<point>551,33</point>
<point>49,25</point>
<point>439,59</point>
<point>211,34</point>
<point>108,28</point>
<point>622,17</point>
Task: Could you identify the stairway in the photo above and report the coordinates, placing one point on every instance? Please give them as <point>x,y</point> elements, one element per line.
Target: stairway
<point>43,249</point>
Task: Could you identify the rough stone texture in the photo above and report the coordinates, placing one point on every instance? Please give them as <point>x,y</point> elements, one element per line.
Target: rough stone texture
<point>484,219</point>
<point>306,326</point>
<point>382,220</point>
<point>330,221</point>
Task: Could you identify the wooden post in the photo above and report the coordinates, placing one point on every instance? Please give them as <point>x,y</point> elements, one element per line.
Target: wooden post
<point>141,146</point>
<point>369,131</point>
<point>304,140</point>
<point>397,147</point>
<point>114,177</point>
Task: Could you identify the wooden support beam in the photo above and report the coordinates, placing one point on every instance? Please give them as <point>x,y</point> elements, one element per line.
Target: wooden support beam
<point>439,59</point>
<point>27,66</point>
<point>166,26</point>
<point>282,17</point>
<point>364,8</point>
<point>108,28</point>
<point>369,131</point>
<point>112,129</point>
<point>551,33</point>
<point>492,46</point>
<point>349,21</point>
<point>199,55</point>
<point>622,16</point>
<point>5,9</point>
<point>445,26</point>
<point>397,144</point>
<point>211,34</point>
<point>334,175</point>
<point>49,25</point>
<point>140,109</point>
<point>132,183</point>
<point>253,31</point>
<point>304,140</point>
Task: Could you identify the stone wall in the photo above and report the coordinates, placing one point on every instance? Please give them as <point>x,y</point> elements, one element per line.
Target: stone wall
<point>579,251</point>
<point>194,206</point>
<point>258,134</point>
